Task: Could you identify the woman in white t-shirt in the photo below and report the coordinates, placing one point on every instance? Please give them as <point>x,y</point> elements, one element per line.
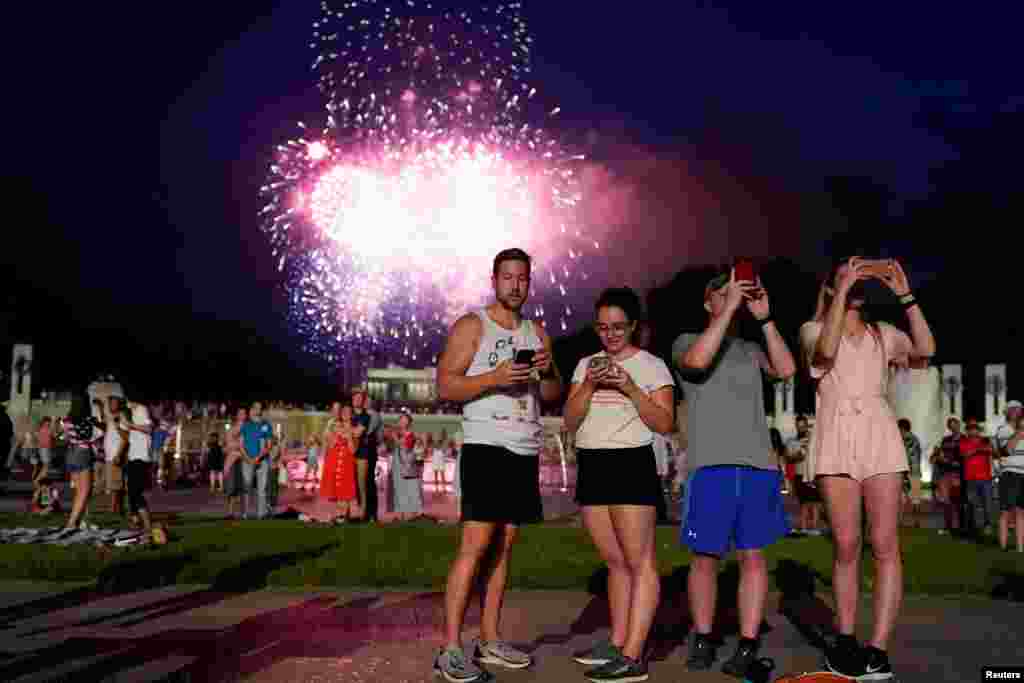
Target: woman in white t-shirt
<point>137,473</point>
<point>618,401</point>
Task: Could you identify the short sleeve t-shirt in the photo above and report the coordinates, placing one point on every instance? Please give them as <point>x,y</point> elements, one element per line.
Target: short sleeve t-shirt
<point>368,443</point>
<point>726,421</point>
<point>254,433</point>
<point>950,449</point>
<point>978,466</point>
<point>139,442</point>
<point>613,420</point>
<point>1014,461</point>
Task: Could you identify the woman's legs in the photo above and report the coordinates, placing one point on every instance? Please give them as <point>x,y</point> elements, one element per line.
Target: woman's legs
<point>882,495</point>
<point>1004,527</point>
<point>37,482</point>
<point>634,528</point>
<point>361,475</point>
<point>83,487</point>
<point>843,497</point>
<point>944,493</point>
<point>1019,528</point>
<point>598,522</point>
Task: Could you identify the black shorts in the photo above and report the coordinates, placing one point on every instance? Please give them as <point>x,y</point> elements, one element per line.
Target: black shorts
<point>499,485</point>
<point>617,476</point>
<point>1011,490</point>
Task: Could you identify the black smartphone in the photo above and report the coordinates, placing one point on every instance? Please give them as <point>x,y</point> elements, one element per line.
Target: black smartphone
<point>525,356</point>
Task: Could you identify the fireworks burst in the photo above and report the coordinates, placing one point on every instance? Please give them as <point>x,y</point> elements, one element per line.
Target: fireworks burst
<point>433,158</point>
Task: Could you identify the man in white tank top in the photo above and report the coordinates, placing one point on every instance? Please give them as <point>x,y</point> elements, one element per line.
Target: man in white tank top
<point>499,464</point>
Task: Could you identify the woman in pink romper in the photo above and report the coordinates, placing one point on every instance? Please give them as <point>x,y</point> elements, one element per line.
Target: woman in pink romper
<point>860,452</point>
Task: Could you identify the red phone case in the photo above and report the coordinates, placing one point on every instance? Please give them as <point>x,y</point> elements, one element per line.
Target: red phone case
<point>745,271</point>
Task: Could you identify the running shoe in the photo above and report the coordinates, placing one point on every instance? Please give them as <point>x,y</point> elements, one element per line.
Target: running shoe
<point>876,665</point>
<point>701,653</point>
<point>622,669</point>
<point>501,653</point>
<point>601,653</point>
<point>746,654</point>
<point>845,657</point>
<point>452,665</point>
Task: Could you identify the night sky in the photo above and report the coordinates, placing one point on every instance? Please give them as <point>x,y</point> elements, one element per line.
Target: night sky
<point>142,137</point>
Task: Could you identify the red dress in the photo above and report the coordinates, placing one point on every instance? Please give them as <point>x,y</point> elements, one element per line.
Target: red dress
<point>339,477</point>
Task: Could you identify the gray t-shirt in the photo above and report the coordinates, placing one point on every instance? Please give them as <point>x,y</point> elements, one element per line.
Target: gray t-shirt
<point>726,422</point>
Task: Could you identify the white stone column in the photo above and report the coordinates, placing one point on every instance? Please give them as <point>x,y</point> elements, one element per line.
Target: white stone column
<point>995,396</point>
<point>20,406</point>
<point>953,390</point>
<point>21,380</point>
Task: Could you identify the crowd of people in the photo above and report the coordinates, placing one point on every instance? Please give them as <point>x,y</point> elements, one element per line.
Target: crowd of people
<point>858,458</point>
<point>499,366</point>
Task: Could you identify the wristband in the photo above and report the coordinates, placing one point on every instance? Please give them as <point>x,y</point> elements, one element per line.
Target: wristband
<point>765,321</point>
<point>908,301</point>
<point>909,296</point>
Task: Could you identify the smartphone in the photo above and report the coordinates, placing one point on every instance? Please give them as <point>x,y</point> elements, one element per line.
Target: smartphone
<point>598,362</point>
<point>745,271</point>
<point>525,356</point>
<point>877,267</point>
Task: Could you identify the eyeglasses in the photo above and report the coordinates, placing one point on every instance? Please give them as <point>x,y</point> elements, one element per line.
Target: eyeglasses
<point>617,328</point>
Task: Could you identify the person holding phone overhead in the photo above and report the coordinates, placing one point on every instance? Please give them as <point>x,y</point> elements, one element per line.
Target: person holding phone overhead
<point>733,496</point>
<point>619,399</point>
<point>500,464</point>
<point>860,454</point>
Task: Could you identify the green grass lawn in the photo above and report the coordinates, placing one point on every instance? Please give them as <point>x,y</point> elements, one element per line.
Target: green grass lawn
<point>249,555</point>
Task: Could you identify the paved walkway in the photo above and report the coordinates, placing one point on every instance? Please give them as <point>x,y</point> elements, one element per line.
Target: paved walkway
<point>196,635</point>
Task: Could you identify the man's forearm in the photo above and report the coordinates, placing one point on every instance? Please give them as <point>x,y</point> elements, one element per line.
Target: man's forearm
<point>702,352</point>
<point>783,363</point>
<point>460,388</point>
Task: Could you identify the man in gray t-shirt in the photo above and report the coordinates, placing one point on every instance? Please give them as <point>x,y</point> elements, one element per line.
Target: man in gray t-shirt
<point>726,422</point>
<point>733,497</point>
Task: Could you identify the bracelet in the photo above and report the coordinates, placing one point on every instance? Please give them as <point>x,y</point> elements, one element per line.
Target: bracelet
<point>909,296</point>
<point>908,302</point>
<point>765,321</point>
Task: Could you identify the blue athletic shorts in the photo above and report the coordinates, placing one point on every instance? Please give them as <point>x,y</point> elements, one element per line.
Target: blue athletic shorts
<point>727,506</point>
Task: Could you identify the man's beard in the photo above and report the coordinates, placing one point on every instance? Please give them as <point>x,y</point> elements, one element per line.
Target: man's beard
<point>511,305</point>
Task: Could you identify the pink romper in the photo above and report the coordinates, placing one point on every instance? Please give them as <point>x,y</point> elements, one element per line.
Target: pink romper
<point>855,431</point>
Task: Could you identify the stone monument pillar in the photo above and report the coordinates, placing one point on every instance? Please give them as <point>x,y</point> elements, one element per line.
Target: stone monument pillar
<point>785,416</point>
<point>19,408</point>
<point>21,380</point>
<point>995,397</point>
<point>953,390</point>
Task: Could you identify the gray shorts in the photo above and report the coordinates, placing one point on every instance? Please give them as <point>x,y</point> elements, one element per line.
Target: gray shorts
<point>79,460</point>
<point>44,456</point>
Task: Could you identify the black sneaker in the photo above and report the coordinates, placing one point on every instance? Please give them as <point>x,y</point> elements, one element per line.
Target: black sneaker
<point>845,657</point>
<point>746,653</point>
<point>702,653</point>
<point>876,665</point>
<point>622,669</point>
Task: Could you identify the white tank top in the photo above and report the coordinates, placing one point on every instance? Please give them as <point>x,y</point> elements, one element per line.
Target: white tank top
<point>507,417</point>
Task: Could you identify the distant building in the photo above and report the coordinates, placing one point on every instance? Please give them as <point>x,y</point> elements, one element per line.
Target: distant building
<point>401,385</point>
